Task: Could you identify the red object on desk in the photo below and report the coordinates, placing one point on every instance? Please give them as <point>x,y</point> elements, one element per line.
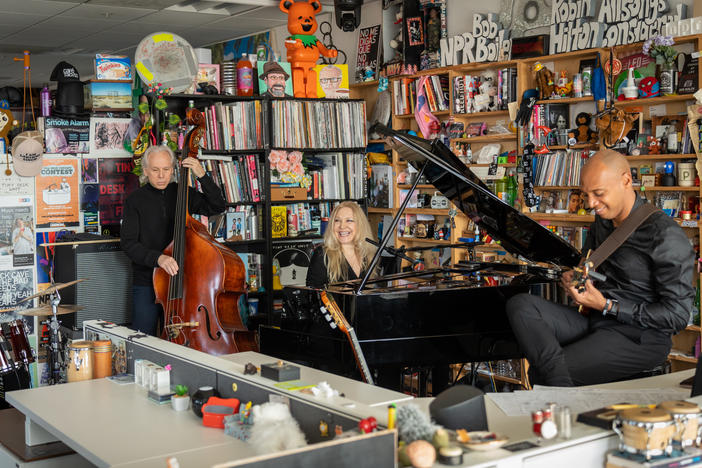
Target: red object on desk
<point>214,411</point>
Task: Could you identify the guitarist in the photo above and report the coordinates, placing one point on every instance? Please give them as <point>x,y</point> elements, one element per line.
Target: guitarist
<point>627,321</point>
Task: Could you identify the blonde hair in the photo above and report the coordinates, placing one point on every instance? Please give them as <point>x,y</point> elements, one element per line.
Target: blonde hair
<point>151,150</point>
<point>333,256</point>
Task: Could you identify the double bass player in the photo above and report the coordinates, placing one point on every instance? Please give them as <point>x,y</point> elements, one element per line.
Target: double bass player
<point>148,223</point>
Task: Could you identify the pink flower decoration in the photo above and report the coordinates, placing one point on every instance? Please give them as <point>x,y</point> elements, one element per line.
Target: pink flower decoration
<point>283,165</point>
<point>298,169</point>
<point>276,155</point>
<point>295,157</point>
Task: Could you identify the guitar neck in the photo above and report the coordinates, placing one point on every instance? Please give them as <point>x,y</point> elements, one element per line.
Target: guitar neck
<point>358,354</point>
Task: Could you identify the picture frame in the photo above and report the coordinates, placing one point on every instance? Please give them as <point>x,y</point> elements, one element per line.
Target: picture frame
<point>107,136</point>
<point>648,180</point>
<point>274,68</point>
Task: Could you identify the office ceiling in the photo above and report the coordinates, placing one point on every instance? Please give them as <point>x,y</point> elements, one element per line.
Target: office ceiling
<point>75,30</point>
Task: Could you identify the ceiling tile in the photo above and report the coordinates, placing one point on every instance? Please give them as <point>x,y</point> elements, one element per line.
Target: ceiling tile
<point>105,12</point>
<point>237,24</point>
<point>37,7</point>
<point>142,4</point>
<point>173,19</point>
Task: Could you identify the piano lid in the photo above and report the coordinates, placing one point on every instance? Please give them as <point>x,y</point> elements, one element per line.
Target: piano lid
<point>517,232</point>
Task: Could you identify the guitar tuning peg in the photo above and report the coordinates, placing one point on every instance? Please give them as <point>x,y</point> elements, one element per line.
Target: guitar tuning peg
<point>328,317</point>
<point>332,325</point>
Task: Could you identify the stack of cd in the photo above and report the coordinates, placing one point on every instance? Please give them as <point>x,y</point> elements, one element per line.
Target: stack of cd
<point>228,77</point>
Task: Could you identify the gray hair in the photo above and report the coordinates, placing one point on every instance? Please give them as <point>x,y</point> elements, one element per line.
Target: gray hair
<point>154,149</point>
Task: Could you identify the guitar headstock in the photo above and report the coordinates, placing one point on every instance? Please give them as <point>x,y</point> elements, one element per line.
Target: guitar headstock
<point>332,309</point>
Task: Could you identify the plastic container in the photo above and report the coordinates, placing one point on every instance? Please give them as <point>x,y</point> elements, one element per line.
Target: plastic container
<point>45,98</point>
<point>244,77</point>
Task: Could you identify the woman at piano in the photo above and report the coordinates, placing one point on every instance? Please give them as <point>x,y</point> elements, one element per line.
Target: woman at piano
<point>344,254</point>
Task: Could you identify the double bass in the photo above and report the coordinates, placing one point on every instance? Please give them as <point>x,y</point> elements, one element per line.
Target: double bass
<point>200,302</point>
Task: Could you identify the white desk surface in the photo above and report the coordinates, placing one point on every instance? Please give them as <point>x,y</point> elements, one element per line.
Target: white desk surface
<point>353,389</point>
<point>111,424</point>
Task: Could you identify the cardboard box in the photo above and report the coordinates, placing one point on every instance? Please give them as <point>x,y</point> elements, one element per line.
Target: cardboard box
<point>108,94</point>
<point>288,193</point>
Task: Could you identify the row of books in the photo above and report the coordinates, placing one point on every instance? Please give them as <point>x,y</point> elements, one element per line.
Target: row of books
<point>234,126</point>
<point>319,124</point>
<point>574,235</point>
<point>336,176</point>
<point>559,168</point>
<point>239,178</point>
<point>436,90</point>
<point>306,218</point>
<point>479,93</point>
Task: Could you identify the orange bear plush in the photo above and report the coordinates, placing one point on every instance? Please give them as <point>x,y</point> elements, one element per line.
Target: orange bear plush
<point>303,46</point>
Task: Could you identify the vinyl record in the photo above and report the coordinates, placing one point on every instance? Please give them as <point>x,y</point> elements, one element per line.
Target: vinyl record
<point>166,58</point>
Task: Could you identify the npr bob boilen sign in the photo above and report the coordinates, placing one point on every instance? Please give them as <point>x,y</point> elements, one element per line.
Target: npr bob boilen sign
<point>584,24</point>
<point>488,42</point>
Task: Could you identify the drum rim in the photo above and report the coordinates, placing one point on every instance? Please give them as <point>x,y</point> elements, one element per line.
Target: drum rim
<point>687,409</point>
<point>655,415</point>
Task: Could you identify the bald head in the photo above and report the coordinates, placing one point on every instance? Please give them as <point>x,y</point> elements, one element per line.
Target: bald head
<point>606,182</point>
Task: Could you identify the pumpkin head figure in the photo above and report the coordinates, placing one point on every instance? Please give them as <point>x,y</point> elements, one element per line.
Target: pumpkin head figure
<point>302,46</point>
<point>6,120</point>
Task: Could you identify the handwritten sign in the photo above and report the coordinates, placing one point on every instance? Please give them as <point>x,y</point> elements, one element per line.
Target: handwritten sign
<point>116,182</point>
<point>368,47</point>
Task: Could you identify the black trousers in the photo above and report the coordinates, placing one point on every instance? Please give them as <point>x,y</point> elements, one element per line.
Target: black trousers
<point>564,349</point>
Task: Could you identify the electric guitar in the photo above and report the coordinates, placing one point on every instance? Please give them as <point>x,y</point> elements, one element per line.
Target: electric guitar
<point>336,318</point>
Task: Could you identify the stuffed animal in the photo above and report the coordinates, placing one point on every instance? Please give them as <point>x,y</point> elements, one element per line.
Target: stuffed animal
<point>583,133</point>
<point>614,124</point>
<point>654,146</point>
<point>6,122</point>
<point>564,87</point>
<point>274,429</point>
<point>544,81</point>
<point>303,46</point>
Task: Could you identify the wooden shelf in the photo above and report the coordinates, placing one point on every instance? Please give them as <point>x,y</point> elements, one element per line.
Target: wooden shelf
<point>488,165</point>
<point>476,115</point>
<point>679,357</point>
<point>567,55</point>
<point>660,157</point>
<point>488,138</point>
<point>427,211</point>
<point>375,141</point>
<point>502,378</point>
<point>380,210</point>
<point>363,84</point>
<point>659,188</point>
<point>695,328</point>
<point>656,100</point>
<point>578,146</point>
<point>422,241</point>
<point>556,187</point>
<point>574,218</point>
<point>419,186</point>
<point>436,114</point>
<point>570,100</point>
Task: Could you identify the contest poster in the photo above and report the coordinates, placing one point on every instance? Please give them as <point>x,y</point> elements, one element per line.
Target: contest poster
<point>58,200</point>
<point>332,81</point>
<point>117,181</point>
<point>16,231</point>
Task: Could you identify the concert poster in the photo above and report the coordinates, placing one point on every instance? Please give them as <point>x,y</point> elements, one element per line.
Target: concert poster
<point>16,285</point>
<point>117,181</point>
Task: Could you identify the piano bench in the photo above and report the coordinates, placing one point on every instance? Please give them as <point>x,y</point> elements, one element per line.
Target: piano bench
<point>658,370</point>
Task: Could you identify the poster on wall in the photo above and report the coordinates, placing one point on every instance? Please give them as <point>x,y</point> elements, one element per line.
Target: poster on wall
<point>107,137</point>
<point>16,232</point>
<point>332,81</point>
<point>369,50</point>
<point>116,182</point>
<point>16,285</point>
<point>66,136</point>
<point>57,193</point>
<point>293,259</point>
<point>17,185</point>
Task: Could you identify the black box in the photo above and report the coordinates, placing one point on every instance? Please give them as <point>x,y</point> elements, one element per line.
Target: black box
<point>280,372</point>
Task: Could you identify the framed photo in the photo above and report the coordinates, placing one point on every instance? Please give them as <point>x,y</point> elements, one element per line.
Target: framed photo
<point>274,79</point>
<point>107,137</point>
<point>208,73</point>
<point>558,117</point>
<point>648,180</point>
<point>332,81</point>
<point>575,201</point>
<point>415,31</point>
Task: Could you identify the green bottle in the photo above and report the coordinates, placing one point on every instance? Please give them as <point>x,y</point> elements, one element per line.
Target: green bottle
<point>512,188</point>
<point>501,189</point>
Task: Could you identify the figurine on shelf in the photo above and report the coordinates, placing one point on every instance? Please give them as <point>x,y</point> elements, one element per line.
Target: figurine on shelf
<point>583,132</point>
<point>649,87</point>
<point>488,88</point>
<point>654,146</point>
<point>544,80</point>
<point>564,87</point>
<point>368,74</point>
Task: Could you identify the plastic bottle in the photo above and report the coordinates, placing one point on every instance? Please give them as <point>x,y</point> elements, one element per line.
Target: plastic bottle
<point>45,98</point>
<point>244,77</point>
<point>512,188</point>
<point>501,189</point>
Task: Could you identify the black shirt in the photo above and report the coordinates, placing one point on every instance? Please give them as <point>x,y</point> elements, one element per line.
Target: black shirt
<point>149,218</point>
<point>650,275</point>
<point>317,275</point>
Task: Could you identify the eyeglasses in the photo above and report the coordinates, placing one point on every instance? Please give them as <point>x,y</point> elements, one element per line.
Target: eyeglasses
<point>328,81</point>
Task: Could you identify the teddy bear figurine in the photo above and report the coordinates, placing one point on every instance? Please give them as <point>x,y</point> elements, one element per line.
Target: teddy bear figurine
<point>583,133</point>
<point>544,81</point>
<point>303,46</point>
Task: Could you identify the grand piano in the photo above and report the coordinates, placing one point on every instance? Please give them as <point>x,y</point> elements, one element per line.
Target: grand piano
<point>431,318</point>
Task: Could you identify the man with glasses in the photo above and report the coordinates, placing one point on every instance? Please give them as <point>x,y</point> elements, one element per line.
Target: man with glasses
<point>275,77</point>
<point>330,78</point>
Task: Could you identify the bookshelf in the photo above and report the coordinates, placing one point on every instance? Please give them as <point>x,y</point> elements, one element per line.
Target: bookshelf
<point>669,105</point>
<point>238,160</point>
